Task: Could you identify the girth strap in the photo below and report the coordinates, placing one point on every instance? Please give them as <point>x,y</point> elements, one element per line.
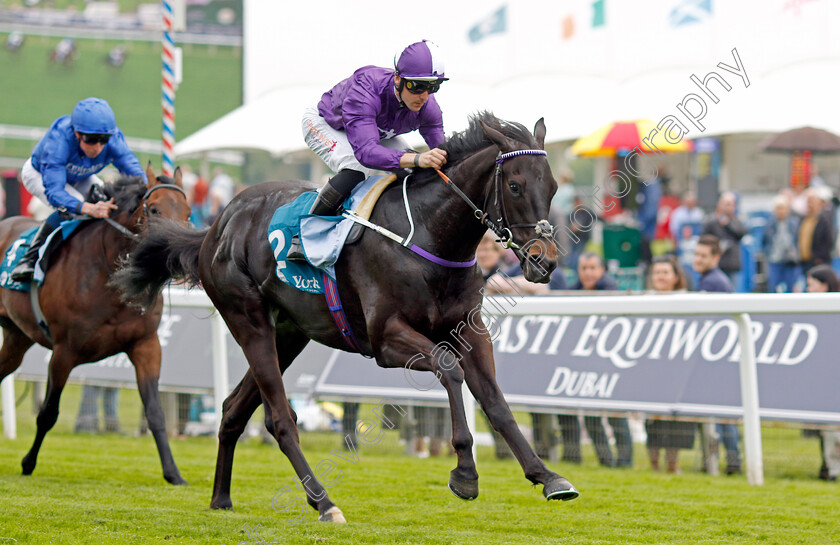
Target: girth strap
<point>337,312</point>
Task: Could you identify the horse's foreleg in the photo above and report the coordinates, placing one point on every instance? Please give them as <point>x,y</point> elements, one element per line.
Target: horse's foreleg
<point>480,374</point>
<point>402,346</point>
<point>236,411</point>
<point>145,355</point>
<point>61,363</point>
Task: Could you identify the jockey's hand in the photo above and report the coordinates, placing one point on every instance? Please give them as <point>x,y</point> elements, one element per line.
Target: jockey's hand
<point>434,158</point>
<point>99,210</point>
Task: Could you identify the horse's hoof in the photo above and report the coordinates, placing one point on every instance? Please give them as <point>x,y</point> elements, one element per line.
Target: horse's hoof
<point>177,480</point>
<point>333,514</point>
<point>466,489</point>
<point>225,504</point>
<point>28,467</point>
<point>560,488</point>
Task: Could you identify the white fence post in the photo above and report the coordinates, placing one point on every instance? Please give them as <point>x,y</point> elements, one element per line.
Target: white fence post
<point>7,392</point>
<point>749,397</point>
<point>469,409</point>
<point>9,412</point>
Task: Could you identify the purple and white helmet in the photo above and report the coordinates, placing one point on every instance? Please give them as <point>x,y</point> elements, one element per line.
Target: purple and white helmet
<point>421,61</point>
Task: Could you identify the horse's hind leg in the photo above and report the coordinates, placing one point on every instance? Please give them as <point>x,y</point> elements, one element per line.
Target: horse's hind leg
<point>249,323</point>
<point>61,363</point>
<point>236,412</point>
<point>145,355</point>
<point>15,345</point>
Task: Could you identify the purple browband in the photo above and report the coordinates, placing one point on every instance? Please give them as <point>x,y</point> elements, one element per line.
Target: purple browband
<point>517,153</point>
<point>440,261</point>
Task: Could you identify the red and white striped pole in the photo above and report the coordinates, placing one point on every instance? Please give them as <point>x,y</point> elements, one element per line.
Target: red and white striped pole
<point>168,90</point>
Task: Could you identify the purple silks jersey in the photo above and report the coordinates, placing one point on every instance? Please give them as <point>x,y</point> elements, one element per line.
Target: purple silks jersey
<point>365,106</point>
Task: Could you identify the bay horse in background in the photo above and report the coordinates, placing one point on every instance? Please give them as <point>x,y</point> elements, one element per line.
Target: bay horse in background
<point>87,320</point>
<point>399,305</point>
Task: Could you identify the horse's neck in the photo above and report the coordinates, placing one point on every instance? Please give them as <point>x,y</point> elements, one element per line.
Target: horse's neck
<point>453,227</point>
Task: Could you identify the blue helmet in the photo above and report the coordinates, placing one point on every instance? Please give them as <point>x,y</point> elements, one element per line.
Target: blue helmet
<point>421,61</point>
<point>93,116</point>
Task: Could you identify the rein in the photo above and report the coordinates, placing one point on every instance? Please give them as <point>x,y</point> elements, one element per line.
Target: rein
<point>501,227</point>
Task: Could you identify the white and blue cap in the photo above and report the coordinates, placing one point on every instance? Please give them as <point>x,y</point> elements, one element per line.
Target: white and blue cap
<point>421,61</point>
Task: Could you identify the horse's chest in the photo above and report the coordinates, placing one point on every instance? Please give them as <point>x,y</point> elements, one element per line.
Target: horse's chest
<point>433,314</point>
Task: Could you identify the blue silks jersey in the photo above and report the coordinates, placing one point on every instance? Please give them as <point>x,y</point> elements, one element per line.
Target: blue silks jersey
<point>61,161</point>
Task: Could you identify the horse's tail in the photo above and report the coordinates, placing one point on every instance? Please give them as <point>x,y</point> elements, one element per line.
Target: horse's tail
<point>167,250</point>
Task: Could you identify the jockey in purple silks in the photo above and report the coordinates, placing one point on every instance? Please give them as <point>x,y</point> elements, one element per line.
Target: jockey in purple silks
<point>354,128</point>
<point>63,167</point>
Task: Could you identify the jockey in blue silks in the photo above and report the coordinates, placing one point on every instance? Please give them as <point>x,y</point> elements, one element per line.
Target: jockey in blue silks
<point>354,128</point>
<point>63,168</point>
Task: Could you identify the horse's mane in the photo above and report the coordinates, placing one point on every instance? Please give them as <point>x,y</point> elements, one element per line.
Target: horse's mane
<point>464,143</point>
<point>127,192</point>
<point>472,139</point>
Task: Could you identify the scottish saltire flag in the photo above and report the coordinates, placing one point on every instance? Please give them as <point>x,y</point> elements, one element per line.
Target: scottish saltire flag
<point>495,23</point>
<point>690,11</point>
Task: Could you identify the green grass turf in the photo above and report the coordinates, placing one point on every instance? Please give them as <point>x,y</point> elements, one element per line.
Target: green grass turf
<point>36,92</point>
<point>108,489</point>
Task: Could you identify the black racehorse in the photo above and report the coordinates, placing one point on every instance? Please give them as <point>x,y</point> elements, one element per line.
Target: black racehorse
<point>399,305</point>
<point>86,318</point>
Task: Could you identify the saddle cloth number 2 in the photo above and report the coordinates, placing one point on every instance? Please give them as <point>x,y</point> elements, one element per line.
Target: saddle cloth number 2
<point>278,249</point>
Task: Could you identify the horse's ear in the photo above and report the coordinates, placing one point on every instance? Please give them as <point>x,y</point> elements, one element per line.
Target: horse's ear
<point>178,177</point>
<point>150,174</point>
<point>539,132</point>
<point>505,144</point>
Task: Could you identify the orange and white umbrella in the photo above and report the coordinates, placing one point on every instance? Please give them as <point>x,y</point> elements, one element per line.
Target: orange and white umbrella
<point>625,136</point>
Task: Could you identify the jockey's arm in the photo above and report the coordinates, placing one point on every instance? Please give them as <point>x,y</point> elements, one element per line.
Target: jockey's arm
<point>434,158</point>
<point>364,137</point>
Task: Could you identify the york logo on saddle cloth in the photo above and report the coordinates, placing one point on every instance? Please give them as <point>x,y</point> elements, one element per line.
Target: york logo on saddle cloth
<point>322,237</point>
<point>284,224</point>
<point>302,276</point>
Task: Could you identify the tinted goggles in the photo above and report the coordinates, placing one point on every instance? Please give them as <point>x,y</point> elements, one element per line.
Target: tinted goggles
<point>95,138</point>
<point>417,87</point>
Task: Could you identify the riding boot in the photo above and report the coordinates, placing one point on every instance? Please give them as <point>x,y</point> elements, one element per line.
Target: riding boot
<point>26,266</point>
<point>330,199</point>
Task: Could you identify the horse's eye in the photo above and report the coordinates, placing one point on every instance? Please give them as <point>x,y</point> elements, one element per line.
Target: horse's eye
<point>154,211</point>
<point>515,188</point>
